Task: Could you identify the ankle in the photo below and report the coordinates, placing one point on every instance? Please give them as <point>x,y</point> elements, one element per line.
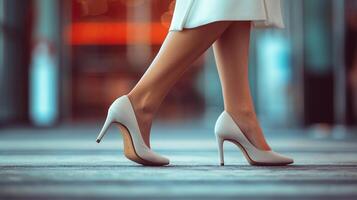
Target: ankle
<point>142,105</point>
<point>242,112</point>
<point>246,119</point>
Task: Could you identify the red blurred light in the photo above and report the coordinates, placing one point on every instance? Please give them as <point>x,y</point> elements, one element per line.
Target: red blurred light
<point>114,33</point>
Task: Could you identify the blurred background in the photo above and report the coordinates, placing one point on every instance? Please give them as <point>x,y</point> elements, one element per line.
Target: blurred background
<point>65,61</point>
<point>62,62</point>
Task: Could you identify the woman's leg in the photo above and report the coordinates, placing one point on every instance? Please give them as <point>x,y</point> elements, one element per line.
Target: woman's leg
<point>231,51</point>
<point>177,52</point>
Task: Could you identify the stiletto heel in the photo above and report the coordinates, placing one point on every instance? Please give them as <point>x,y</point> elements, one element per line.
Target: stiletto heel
<point>227,129</point>
<point>122,113</point>
<point>105,128</point>
<point>220,150</point>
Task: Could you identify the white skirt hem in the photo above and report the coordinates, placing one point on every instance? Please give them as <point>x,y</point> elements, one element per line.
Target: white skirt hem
<point>195,13</point>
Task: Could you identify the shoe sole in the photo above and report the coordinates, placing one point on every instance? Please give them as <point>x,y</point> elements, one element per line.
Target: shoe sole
<point>129,149</point>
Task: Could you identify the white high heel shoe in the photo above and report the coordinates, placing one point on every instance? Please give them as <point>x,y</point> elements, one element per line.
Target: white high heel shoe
<point>227,129</point>
<point>122,113</point>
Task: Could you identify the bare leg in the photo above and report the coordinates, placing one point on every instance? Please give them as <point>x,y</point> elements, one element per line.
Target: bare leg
<point>178,51</point>
<point>231,51</point>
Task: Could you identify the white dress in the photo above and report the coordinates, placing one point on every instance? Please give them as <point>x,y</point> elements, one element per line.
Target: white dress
<point>193,13</point>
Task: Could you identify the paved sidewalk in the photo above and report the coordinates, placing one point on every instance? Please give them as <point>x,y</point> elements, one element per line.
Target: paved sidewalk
<point>66,163</point>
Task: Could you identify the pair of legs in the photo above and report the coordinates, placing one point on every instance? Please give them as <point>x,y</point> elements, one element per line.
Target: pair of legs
<point>230,41</point>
